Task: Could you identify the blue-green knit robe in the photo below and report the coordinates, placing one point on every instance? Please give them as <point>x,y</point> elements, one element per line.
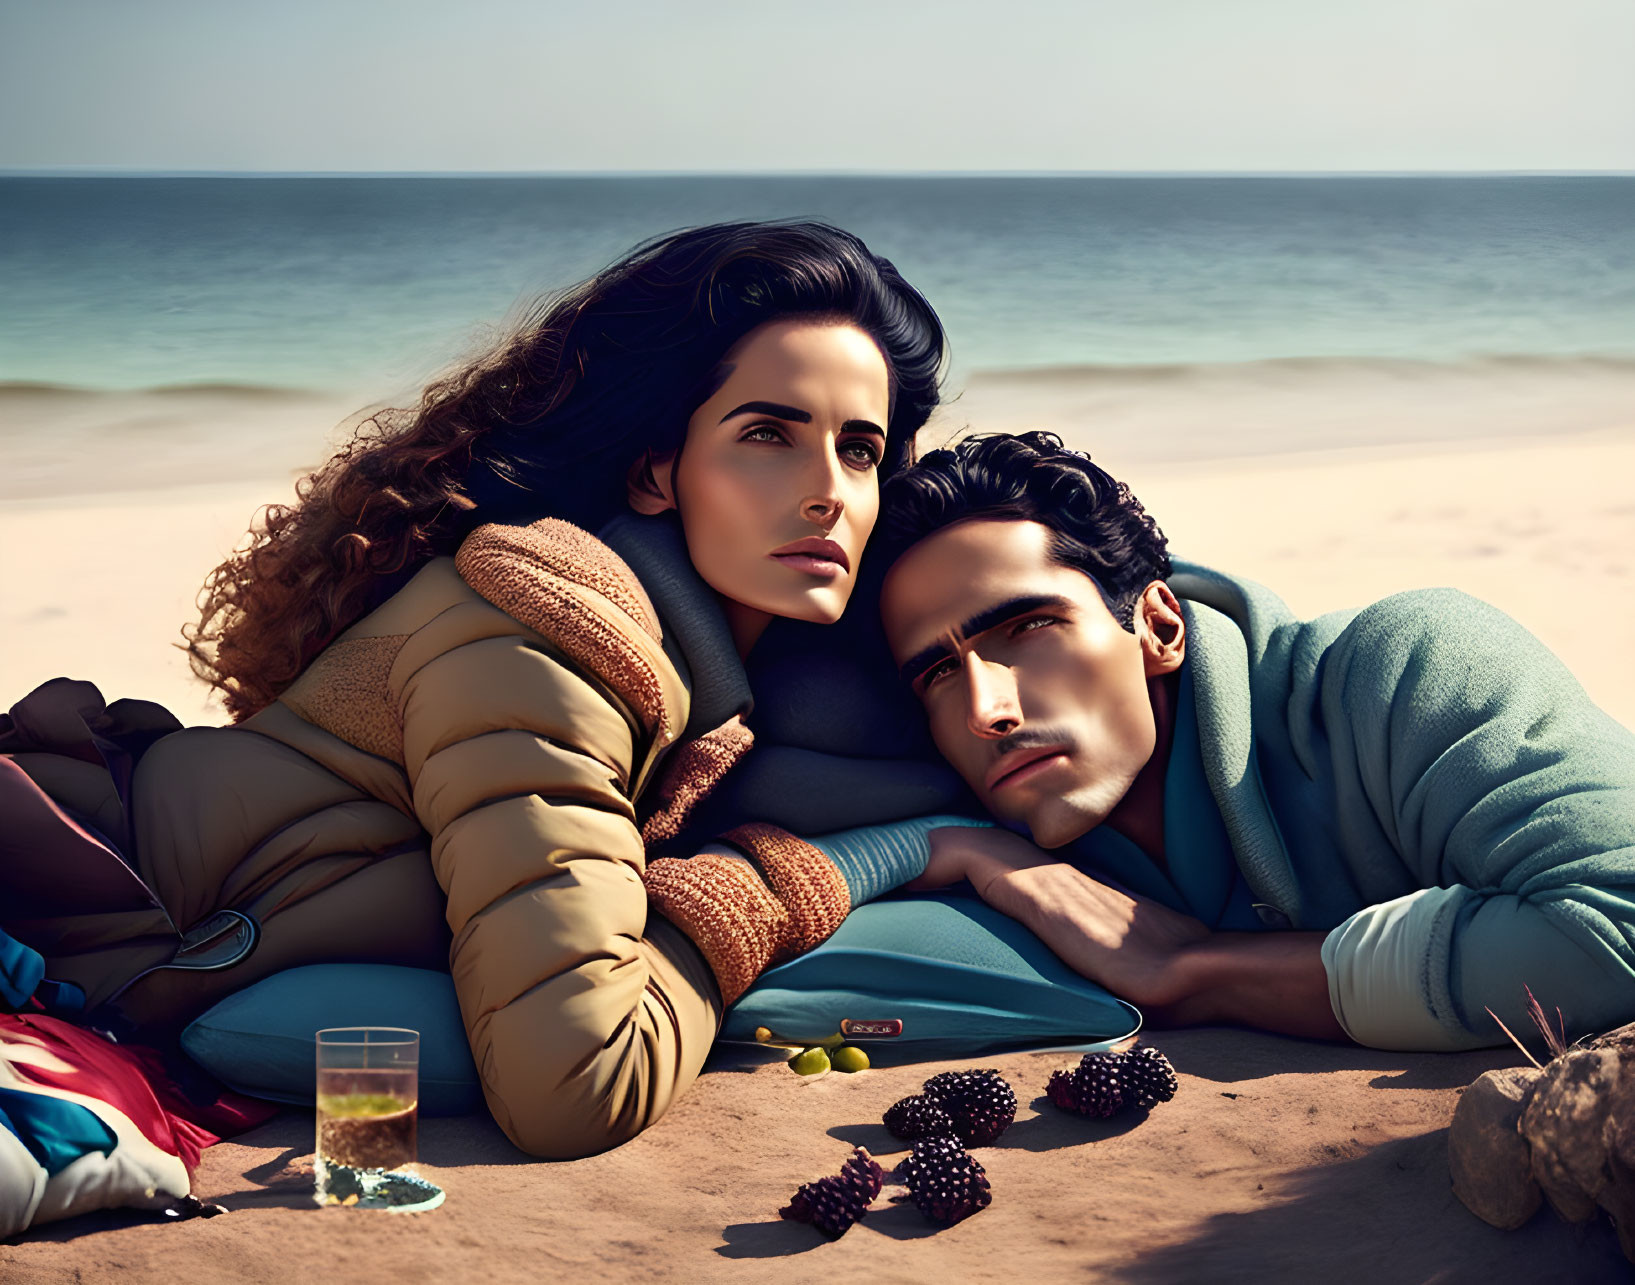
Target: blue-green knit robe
<point>1426,783</point>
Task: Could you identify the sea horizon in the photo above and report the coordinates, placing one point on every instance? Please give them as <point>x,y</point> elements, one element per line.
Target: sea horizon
<point>106,171</point>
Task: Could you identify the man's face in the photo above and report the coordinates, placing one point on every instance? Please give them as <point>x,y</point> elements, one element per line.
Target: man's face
<point>1035,693</point>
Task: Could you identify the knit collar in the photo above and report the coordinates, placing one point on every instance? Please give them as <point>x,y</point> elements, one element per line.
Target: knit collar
<point>1228,625</point>
<point>696,636</point>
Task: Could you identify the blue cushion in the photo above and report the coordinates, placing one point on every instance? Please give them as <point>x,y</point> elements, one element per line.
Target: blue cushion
<point>261,1040</point>
<point>960,976</point>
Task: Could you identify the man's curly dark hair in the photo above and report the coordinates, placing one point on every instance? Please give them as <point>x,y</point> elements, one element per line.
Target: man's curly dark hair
<point>1098,527</point>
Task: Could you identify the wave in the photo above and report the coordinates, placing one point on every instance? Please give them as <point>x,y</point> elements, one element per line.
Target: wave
<point>1209,410</point>
<point>42,390</point>
<point>1616,365</point>
<point>1264,369</point>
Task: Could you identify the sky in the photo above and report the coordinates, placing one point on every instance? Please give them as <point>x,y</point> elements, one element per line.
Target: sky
<point>825,85</point>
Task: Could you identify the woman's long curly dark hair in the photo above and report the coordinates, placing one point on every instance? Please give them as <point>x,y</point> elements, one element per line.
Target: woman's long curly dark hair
<point>547,424</point>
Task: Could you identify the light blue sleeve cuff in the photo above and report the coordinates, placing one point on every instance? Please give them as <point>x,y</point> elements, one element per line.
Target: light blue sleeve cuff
<point>1377,963</point>
<point>874,859</point>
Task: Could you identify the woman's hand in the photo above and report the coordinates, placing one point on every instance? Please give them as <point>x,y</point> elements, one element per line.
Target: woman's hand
<point>979,853</point>
<point>965,851</point>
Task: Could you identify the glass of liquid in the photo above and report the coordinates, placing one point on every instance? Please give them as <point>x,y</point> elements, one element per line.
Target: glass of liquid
<point>368,1105</point>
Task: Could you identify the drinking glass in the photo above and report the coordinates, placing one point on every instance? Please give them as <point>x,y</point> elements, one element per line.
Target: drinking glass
<point>368,1104</point>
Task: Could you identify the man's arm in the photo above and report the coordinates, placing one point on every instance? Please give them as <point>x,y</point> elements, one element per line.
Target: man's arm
<point>1468,763</point>
<point>1274,981</point>
<point>1167,964</point>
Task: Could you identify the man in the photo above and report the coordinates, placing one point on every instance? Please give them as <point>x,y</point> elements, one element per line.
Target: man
<point>1417,794</point>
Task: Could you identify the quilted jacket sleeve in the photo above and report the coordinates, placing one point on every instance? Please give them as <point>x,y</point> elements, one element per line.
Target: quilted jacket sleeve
<point>1511,800</point>
<point>585,1021</point>
<point>532,718</point>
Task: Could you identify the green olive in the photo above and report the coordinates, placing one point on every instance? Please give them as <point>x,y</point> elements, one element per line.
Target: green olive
<point>848,1057</point>
<point>812,1061</point>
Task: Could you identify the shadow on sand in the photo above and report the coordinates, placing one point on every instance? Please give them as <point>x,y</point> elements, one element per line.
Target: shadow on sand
<point>1204,1053</point>
<point>1048,1130</point>
<point>781,1238</point>
<point>1384,1215</point>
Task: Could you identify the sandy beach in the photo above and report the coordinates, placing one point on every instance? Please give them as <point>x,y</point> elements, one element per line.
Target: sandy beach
<point>1515,490</point>
<point>1278,1159</point>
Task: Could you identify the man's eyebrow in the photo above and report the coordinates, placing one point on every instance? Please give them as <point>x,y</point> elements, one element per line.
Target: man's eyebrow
<point>983,621</point>
<point>775,409</point>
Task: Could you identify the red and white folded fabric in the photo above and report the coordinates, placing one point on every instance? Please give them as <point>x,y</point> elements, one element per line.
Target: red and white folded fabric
<point>151,1136</point>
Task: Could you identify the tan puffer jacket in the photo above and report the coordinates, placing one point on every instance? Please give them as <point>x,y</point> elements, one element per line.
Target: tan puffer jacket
<point>501,714</point>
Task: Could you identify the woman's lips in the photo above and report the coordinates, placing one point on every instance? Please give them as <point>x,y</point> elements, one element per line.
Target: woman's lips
<point>1020,765</point>
<point>815,557</point>
<point>810,565</point>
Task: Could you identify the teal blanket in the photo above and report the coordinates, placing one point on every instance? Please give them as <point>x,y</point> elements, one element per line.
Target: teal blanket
<point>1426,783</point>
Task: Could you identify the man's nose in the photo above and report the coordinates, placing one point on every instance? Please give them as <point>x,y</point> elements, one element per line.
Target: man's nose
<point>993,706</point>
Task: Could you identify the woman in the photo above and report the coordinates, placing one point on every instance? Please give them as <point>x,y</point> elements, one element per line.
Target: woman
<point>430,656</point>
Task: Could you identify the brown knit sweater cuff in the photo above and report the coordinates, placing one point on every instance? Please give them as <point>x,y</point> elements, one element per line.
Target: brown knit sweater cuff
<point>737,924</point>
<point>804,880</point>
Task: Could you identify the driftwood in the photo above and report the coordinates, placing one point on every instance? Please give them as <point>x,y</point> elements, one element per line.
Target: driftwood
<point>1563,1132</point>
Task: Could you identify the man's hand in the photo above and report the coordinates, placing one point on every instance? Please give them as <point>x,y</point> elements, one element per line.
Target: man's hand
<point>1166,963</point>
<point>1127,944</point>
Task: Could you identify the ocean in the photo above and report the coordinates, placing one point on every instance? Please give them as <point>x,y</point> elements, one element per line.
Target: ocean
<point>156,331</point>
<point>367,286</point>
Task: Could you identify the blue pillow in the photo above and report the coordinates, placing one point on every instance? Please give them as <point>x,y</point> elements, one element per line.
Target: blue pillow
<point>260,1041</point>
<point>960,976</point>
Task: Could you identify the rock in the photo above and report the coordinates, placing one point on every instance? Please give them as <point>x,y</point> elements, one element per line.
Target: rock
<point>1623,1037</point>
<point>1619,1198</point>
<point>1487,1156</point>
<point>1570,1122</point>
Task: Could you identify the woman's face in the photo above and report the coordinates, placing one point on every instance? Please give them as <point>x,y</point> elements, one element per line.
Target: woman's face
<point>777,481</point>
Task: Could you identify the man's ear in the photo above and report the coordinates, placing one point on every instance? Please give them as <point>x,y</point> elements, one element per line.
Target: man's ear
<point>1160,629</point>
<point>650,485</point>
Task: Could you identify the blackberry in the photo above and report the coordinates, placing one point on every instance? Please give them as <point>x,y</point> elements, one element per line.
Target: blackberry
<point>1060,1090</point>
<point>829,1204</point>
<point>944,1182</point>
<point>1149,1076</point>
<point>980,1103</point>
<point>863,1174</point>
<point>918,1117</point>
<point>1099,1084</point>
<point>1096,1087</point>
<point>833,1204</point>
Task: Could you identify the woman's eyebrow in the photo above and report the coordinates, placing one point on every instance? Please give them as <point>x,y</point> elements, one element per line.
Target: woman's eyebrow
<point>775,409</point>
<point>795,415</point>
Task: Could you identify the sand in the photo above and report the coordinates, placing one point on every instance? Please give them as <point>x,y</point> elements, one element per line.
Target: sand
<point>1544,529</point>
<point>99,580</point>
<point>1279,1159</point>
